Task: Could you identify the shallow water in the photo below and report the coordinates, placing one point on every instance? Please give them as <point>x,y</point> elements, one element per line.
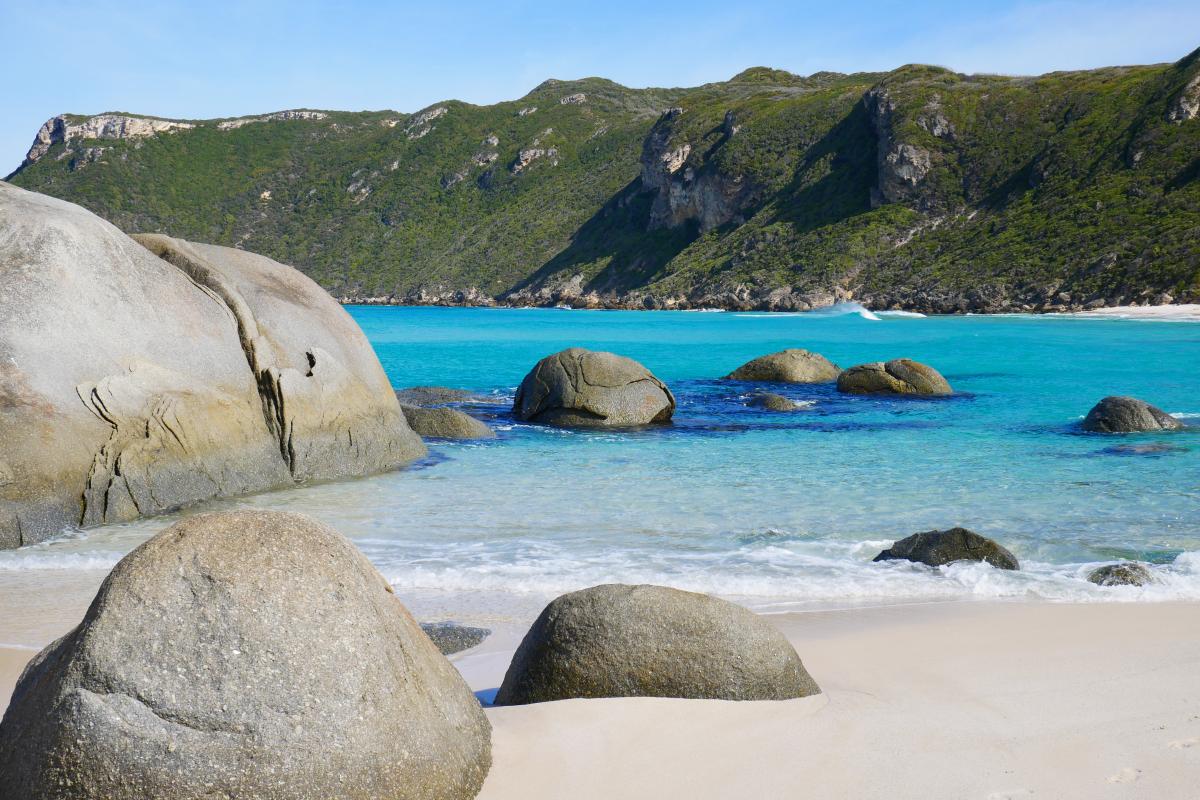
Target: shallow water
<point>778,511</point>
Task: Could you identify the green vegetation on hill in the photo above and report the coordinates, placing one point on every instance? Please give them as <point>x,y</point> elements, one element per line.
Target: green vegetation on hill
<point>919,187</point>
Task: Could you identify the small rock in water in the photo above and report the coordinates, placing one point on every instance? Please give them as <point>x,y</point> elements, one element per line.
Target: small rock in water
<point>898,376</point>
<point>1119,414</point>
<point>445,423</point>
<point>787,366</point>
<point>652,641</point>
<point>1127,573</point>
<point>936,548</point>
<point>450,637</point>
<point>433,396</point>
<point>772,402</point>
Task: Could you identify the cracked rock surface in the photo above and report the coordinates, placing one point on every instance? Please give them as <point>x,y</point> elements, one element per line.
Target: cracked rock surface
<point>134,382</point>
<point>788,366</point>
<point>588,389</point>
<point>244,654</point>
<point>898,376</point>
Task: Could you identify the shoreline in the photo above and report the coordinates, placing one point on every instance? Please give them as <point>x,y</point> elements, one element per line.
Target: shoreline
<point>931,700</point>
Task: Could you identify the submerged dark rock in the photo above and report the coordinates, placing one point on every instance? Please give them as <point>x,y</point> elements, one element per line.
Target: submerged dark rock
<point>788,366</point>
<point>450,637</point>
<point>1120,414</point>
<point>426,396</point>
<point>582,388</point>
<point>652,641</point>
<point>244,654</point>
<point>771,402</point>
<point>936,548</point>
<point>898,376</point>
<point>1127,573</point>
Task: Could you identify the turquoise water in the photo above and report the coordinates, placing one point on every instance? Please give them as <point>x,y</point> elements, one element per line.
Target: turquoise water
<point>775,510</point>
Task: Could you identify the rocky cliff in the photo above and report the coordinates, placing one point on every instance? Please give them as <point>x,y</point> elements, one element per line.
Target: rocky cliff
<point>919,188</point>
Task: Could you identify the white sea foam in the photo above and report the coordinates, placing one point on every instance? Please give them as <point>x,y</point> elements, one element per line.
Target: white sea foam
<point>901,314</point>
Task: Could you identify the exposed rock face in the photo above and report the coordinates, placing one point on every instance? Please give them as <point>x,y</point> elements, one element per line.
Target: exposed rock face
<point>277,116</point>
<point>1128,573</point>
<point>772,402</point>
<point>104,126</point>
<point>788,366</point>
<point>1119,414</point>
<point>652,641</point>
<point>902,166</point>
<point>244,654</point>
<point>582,388</point>
<point>131,384</point>
<point>451,638</point>
<point>577,99</point>
<point>686,193</point>
<point>898,376</point>
<point>1186,105</point>
<point>445,423</point>
<point>936,548</point>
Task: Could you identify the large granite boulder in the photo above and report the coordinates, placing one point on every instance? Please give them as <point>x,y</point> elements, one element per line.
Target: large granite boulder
<point>936,548</point>
<point>1128,415</point>
<point>445,423</point>
<point>244,654</point>
<point>788,366</point>
<point>898,376</point>
<point>1126,573</point>
<point>132,384</point>
<point>582,388</point>
<point>651,641</point>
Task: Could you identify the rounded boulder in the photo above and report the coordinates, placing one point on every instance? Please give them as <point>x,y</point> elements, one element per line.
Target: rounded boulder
<point>1128,415</point>
<point>588,389</point>
<point>788,366</point>
<point>936,548</point>
<point>617,640</point>
<point>244,654</point>
<point>898,376</point>
<point>1127,573</point>
<point>445,423</point>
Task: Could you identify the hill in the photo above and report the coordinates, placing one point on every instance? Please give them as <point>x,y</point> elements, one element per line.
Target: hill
<point>919,188</point>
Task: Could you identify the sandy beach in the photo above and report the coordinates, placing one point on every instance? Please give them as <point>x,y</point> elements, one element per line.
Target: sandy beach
<point>940,700</point>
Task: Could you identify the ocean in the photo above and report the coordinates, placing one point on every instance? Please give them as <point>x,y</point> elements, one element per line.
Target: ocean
<point>778,511</point>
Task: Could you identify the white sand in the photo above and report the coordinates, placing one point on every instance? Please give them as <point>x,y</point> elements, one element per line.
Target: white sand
<point>1182,312</point>
<point>946,700</point>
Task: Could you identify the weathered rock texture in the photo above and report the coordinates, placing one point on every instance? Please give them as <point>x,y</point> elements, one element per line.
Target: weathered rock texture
<point>936,548</point>
<point>244,654</point>
<point>898,376</point>
<point>772,402</point>
<point>426,396</point>
<point>582,388</point>
<point>788,366</point>
<point>452,638</point>
<point>64,128</point>
<point>445,423</point>
<point>1127,573</point>
<point>1118,414</point>
<point>651,641</point>
<point>131,384</point>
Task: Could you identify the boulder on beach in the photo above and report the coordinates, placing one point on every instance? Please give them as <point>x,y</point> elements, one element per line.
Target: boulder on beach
<point>652,641</point>
<point>771,402</point>
<point>451,637</point>
<point>788,366</point>
<point>138,378</point>
<point>587,389</point>
<point>244,654</point>
<point>936,548</point>
<point>1127,573</point>
<point>445,423</point>
<point>898,376</point>
<point>1117,414</point>
<point>426,396</point>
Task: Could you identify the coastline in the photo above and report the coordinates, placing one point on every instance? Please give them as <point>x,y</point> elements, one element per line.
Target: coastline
<point>937,700</point>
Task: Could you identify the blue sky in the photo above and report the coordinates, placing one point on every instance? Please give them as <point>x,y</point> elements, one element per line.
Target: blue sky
<point>175,58</point>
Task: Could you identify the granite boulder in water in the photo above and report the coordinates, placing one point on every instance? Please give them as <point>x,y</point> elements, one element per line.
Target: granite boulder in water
<point>936,548</point>
<point>898,376</point>
<point>445,423</point>
<point>1127,573</point>
<point>587,389</point>
<point>1118,414</point>
<point>244,654</point>
<point>771,402</point>
<point>788,366</point>
<point>652,641</point>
